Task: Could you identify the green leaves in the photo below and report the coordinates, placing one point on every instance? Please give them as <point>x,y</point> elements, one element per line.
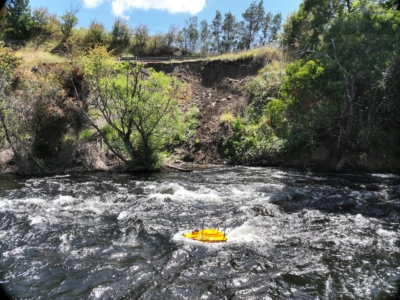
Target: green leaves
<point>19,19</point>
<point>68,21</point>
<point>139,105</point>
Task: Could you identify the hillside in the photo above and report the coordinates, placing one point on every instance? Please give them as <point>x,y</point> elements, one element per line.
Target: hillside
<point>215,87</point>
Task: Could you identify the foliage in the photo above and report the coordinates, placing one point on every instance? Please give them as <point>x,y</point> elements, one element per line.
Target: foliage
<point>138,105</point>
<point>264,88</point>
<point>253,17</point>
<point>96,35</point>
<point>190,35</point>
<point>68,22</point>
<point>216,31</point>
<point>232,149</point>
<point>19,19</point>
<point>313,93</point>
<point>44,23</point>
<point>204,37</point>
<point>141,35</point>
<point>13,113</point>
<point>120,36</point>
<point>229,28</point>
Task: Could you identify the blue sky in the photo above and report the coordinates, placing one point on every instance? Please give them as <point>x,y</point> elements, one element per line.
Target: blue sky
<point>158,14</point>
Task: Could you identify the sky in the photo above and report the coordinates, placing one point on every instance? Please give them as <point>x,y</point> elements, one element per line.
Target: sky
<point>158,14</point>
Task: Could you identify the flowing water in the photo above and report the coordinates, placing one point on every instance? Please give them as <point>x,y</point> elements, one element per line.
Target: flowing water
<point>291,235</point>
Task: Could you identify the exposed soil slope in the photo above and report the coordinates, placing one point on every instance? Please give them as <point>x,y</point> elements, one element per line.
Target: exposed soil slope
<point>215,87</point>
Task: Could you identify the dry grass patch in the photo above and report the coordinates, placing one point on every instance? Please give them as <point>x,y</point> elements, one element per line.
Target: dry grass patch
<point>32,58</point>
<point>226,118</point>
<point>267,52</point>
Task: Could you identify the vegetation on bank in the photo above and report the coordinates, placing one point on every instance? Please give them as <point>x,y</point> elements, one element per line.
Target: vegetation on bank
<point>333,85</point>
<point>341,89</point>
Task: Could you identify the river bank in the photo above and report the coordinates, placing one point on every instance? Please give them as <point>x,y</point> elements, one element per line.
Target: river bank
<point>214,88</point>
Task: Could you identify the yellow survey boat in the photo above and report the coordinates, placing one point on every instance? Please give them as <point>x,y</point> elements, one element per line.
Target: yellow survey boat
<point>208,235</point>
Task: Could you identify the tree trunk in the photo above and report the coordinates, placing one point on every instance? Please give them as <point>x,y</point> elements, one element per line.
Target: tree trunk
<point>350,95</point>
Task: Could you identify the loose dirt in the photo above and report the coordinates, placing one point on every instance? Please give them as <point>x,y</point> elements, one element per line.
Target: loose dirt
<point>214,87</point>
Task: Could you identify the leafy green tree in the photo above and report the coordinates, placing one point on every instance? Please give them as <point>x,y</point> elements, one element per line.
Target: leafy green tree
<point>43,22</point>
<point>216,31</point>
<point>304,28</point>
<point>3,20</point>
<point>139,106</point>
<point>340,85</point>
<point>229,29</point>
<point>390,4</point>
<point>192,34</point>
<point>8,63</point>
<point>205,35</point>
<point>120,35</point>
<point>96,34</point>
<point>362,45</point>
<point>19,19</point>
<point>141,36</point>
<point>170,36</point>
<point>157,43</point>
<point>253,17</point>
<point>68,22</point>
<point>275,28</point>
<point>313,94</point>
<point>266,26</point>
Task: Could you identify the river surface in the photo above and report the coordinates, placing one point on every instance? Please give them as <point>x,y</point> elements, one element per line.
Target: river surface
<point>291,235</point>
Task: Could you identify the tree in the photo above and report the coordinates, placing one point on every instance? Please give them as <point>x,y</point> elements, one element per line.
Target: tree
<point>362,45</point>
<point>191,34</point>
<point>139,106</point>
<point>3,19</point>
<point>43,22</point>
<point>141,35</point>
<point>68,22</point>
<point>120,35</point>
<point>253,17</point>
<point>266,26</point>
<point>229,30</point>
<point>157,44</point>
<point>313,94</point>
<point>306,26</point>
<point>8,63</point>
<point>275,28</point>
<point>204,37</point>
<point>216,27</point>
<point>96,34</point>
<point>19,19</point>
<point>352,59</point>
<point>170,36</point>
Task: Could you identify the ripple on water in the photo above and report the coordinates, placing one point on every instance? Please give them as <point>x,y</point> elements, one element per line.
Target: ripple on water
<point>291,235</point>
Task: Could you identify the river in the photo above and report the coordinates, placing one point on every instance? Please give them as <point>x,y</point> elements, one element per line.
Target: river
<point>291,235</point>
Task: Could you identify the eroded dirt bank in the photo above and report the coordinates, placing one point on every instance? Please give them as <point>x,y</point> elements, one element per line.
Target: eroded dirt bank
<point>215,87</point>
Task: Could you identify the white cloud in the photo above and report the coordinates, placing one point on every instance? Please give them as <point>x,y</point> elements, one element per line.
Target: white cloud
<point>120,7</point>
<point>92,3</point>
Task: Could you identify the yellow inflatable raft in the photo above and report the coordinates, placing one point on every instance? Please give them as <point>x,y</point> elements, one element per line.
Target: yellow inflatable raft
<point>208,235</point>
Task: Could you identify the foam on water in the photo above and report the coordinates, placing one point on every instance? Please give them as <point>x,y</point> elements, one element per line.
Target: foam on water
<point>64,200</point>
<point>121,236</point>
<point>37,220</point>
